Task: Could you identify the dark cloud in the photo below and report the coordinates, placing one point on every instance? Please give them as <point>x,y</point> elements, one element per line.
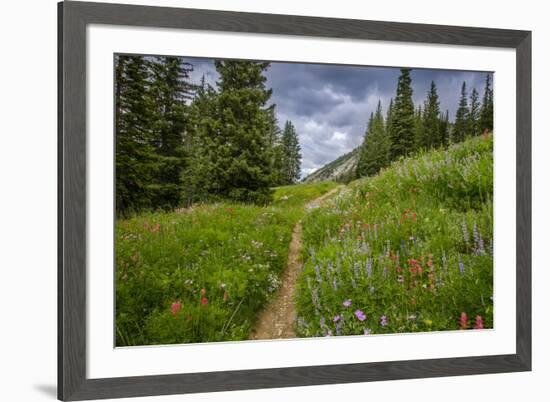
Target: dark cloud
<point>330,104</point>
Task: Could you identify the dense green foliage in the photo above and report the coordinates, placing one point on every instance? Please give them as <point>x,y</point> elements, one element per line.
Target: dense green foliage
<point>150,120</point>
<point>486,113</point>
<point>431,124</point>
<point>406,131</point>
<point>375,152</point>
<point>179,144</point>
<point>291,157</point>
<point>402,127</point>
<point>201,274</point>
<point>407,250</point>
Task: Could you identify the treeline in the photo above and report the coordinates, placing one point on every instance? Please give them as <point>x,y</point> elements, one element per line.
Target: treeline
<point>405,130</point>
<point>178,143</point>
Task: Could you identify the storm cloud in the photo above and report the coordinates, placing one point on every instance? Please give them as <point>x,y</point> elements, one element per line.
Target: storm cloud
<point>330,104</point>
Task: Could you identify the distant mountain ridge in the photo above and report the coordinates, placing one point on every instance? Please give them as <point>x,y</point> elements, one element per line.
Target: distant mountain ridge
<point>341,170</point>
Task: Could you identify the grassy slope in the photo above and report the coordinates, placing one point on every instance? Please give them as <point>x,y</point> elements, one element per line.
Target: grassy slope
<point>394,245</point>
<point>220,261</point>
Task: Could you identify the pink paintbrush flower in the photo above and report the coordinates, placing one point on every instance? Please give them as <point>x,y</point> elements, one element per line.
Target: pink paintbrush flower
<point>463,321</point>
<point>479,322</point>
<point>176,306</point>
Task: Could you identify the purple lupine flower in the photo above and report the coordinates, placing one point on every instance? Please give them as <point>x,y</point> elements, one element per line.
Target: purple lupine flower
<point>476,235</point>
<point>368,267</point>
<point>360,315</point>
<point>383,320</point>
<point>347,303</point>
<point>317,274</point>
<point>367,331</point>
<point>339,329</point>
<point>334,283</point>
<point>465,233</point>
<point>481,246</point>
<point>353,284</point>
<point>329,332</point>
<point>337,318</point>
<point>315,298</point>
<point>322,322</point>
<point>460,265</point>
<point>356,269</point>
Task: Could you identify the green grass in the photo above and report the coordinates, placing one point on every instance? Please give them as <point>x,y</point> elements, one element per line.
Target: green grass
<point>395,244</point>
<point>220,262</point>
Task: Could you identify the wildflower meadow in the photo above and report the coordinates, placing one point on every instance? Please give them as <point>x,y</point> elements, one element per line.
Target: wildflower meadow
<point>408,250</point>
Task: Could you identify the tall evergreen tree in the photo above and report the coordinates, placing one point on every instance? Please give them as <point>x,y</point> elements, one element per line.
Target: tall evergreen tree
<point>430,119</point>
<point>134,160</point>
<point>389,119</point>
<point>419,133</point>
<point>200,146</point>
<point>460,129</point>
<point>242,165</point>
<point>374,152</point>
<point>486,113</point>
<point>402,125</point>
<point>291,155</point>
<point>444,129</point>
<point>474,113</point>
<point>276,149</point>
<point>170,89</point>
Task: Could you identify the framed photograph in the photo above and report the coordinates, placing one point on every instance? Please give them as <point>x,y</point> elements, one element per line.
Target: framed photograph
<point>256,201</point>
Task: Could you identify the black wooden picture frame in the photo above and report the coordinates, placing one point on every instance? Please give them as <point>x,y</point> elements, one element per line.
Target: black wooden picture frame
<point>73,17</point>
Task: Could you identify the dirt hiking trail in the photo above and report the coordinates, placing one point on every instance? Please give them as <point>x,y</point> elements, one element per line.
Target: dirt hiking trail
<point>276,321</point>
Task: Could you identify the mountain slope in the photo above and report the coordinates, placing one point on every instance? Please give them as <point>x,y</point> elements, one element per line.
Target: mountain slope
<point>340,170</point>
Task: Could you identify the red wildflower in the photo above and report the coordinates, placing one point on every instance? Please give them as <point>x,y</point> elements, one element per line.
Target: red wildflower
<point>155,228</point>
<point>463,321</point>
<point>204,301</point>
<point>479,322</point>
<point>176,306</point>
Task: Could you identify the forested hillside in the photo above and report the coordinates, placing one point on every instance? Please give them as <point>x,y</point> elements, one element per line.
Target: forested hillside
<point>178,143</point>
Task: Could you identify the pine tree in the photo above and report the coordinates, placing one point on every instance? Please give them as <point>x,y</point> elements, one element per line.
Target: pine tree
<point>402,123</point>
<point>444,129</point>
<point>419,133</point>
<point>474,113</point>
<point>291,155</point>
<point>374,152</point>
<point>134,160</point>
<point>276,157</point>
<point>461,120</point>
<point>171,90</point>
<point>389,119</point>
<point>486,113</point>
<point>200,147</point>
<point>430,119</point>
<point>242,166</point>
